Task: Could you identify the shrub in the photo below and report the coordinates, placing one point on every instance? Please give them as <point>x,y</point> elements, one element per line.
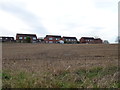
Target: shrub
<point>28,39</point>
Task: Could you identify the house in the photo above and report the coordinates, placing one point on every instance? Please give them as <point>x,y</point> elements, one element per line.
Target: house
<point>7,39</point>
<point>87,40</point>
<point>23,38</point>
<point>98,40</point>
<point>52,39</point>
<point>90,40</point>
<point>70,40</point>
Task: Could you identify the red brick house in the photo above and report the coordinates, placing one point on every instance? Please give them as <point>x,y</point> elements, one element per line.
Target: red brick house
<point>52,39</point>
<point>90,40</point>
<point>69,39</point>
<point>87,40</point>
<point>22,37</point>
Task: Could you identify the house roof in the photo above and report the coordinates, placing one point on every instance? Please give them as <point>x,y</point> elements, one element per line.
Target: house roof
<point>57,36</point>
<point>88,37</point>
<point>27,34</point>
<point>97,39</point>
<point>69,37</point>
<point>6,37</point>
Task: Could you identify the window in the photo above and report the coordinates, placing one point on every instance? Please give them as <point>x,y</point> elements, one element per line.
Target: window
<point>20,37</point>
<point>57,38</point>
<point>34,38</point>
<point>50,38</point>
<point>24,37</point>
<point>1,38</point>
<point>50,41</point>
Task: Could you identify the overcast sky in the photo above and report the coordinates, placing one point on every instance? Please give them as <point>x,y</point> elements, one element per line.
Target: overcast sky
<point>79,18</point>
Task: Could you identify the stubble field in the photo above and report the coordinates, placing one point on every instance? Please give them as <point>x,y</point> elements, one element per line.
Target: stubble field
<point>60,65</point>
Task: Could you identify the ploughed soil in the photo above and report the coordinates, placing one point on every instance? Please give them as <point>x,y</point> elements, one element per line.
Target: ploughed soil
<point>37,57</point>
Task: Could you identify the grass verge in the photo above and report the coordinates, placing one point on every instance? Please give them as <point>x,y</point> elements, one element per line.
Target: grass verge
<point>93,78</point>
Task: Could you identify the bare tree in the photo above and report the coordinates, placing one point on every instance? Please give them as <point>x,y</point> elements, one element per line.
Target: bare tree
<point>106,42</point>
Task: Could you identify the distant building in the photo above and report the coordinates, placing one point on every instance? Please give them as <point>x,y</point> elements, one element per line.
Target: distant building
<point>90,40</point>
<point>69,40</point>
<point>52,39</point>
<point>7,39</point>
<point>87,40</point>
<point>98,40</point>
<point>23,38</point>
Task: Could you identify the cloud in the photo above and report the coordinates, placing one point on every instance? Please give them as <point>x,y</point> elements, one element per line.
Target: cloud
<point>29,19</point>
<point>64,17</point>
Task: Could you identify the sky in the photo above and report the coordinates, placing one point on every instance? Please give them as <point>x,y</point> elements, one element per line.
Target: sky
<point>77,18</point>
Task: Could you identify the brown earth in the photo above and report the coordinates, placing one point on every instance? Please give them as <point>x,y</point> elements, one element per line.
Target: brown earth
<point>55,57</point>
